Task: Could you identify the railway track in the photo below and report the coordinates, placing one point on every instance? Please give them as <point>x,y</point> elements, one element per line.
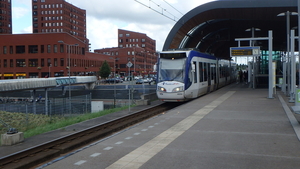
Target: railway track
<point>44,152</point>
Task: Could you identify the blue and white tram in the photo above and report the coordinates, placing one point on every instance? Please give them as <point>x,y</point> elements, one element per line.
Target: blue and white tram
<point>184,75</point>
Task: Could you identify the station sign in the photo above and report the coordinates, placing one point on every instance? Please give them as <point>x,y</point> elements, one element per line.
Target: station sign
<point>244,51</point>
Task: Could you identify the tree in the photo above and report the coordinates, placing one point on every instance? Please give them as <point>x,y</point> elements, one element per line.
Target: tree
<point>104,70</point>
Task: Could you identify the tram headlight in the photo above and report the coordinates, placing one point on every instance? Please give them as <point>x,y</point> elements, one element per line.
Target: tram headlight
<point>178,89</point>
<point>161,89</point>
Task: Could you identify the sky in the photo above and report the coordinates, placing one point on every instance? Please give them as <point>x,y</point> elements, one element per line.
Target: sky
<point>105,17</point>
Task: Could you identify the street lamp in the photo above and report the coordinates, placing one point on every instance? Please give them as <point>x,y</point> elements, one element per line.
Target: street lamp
<point>114,80</point>
<point>69,70</point>
<point>288,67</point>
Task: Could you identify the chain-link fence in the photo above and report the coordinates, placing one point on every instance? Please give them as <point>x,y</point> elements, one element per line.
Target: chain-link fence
<point>23,113</point>
<point>56,106</point>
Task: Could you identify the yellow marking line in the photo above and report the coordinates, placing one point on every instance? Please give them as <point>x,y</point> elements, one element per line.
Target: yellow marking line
<point>141,155</point>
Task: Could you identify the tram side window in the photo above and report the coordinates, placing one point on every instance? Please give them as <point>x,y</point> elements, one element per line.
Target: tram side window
<point>205,71</point>
<point>195,73</point>
<point>220,71</point>
<point>213,71</point>
<point>208,71</point>
<point>201,71</point>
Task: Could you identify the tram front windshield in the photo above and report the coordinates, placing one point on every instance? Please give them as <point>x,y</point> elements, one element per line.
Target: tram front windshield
<point>171,69</point>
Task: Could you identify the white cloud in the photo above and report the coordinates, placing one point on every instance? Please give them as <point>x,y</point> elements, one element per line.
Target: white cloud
<point>104,18</point>
<point>19,12</point>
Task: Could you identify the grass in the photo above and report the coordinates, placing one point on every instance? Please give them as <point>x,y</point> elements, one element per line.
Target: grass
<point>32,125</point>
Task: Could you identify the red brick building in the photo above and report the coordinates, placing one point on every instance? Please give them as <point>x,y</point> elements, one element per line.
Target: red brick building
<point>135,47</point>
<point>58,16</point>
<point>5,17</point>
<point>43,54</point>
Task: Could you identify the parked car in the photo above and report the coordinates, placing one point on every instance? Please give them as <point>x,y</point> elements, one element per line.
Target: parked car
<point>112,80</point>
<point>139,81</point>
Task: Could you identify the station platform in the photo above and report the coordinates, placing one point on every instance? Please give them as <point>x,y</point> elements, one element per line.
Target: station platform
<point>233,127</point>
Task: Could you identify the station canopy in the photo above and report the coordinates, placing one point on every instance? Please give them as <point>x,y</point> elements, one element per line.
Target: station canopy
<point>213,27</point>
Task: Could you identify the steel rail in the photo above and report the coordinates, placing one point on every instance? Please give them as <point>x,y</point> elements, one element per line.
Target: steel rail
<point>41,153</point>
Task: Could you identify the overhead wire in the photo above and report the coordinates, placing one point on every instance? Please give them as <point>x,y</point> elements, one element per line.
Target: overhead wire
<point>173,7</point>
<point>163,10</point>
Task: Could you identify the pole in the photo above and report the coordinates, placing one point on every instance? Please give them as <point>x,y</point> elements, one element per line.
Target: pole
<point>114,82</point>
<point>270,65</point>
<point>288,52</point>
<point>134,59</point>
<point>129,87</point>
<point>69,70</point>
<point>293,67</point>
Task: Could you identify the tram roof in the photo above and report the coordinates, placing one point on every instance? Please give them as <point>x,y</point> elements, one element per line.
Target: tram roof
<point>38,83</point>
<point>213,27</point>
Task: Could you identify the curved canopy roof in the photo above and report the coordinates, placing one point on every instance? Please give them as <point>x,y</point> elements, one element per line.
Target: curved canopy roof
<point>213,27</point>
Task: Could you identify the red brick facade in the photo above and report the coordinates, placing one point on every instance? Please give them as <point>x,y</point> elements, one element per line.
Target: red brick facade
<point>58,16</point>
<point>5,17</point>
<point>37,55</point>
<point>135,47</point>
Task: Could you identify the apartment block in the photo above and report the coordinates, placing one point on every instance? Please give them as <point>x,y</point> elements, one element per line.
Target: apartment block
<point>5,17</point>
<point>134,47</point>
<point>55,16</point>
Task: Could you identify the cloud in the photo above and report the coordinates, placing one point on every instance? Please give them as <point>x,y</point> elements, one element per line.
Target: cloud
<point>19,12</point>
<point>104,18</point>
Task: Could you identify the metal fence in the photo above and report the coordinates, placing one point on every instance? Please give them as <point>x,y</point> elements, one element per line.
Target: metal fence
<point>56,106</point>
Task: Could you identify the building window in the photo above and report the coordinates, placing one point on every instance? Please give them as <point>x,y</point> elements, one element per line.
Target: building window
<point>4,50</point>
<point>34,13</point>
<point>62,62</point>
<point>20,63</point>
<point>42,62</point>
<point>143,40</point>
<point>55,62</point>
<point>49,62</point>
<point>61,48</point>
<point>20,49</point>
<point>55,48</point>
<point>120,35</point>
<point>35,6</point>
<point>127,34</point>
<point>35,19</point>
<point>42,0</point>
<point>11,63</point>
<point>42,49</point>
<point>33,63</point>
<point>48,48</point>
<point>33,48</point>
<point>5,63</point>
<point>11,50</point>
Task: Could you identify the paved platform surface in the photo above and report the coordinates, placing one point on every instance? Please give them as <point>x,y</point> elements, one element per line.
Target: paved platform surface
<point>234,127</point>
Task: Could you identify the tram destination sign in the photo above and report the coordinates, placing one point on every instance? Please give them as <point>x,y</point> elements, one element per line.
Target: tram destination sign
<point>244,51</point>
